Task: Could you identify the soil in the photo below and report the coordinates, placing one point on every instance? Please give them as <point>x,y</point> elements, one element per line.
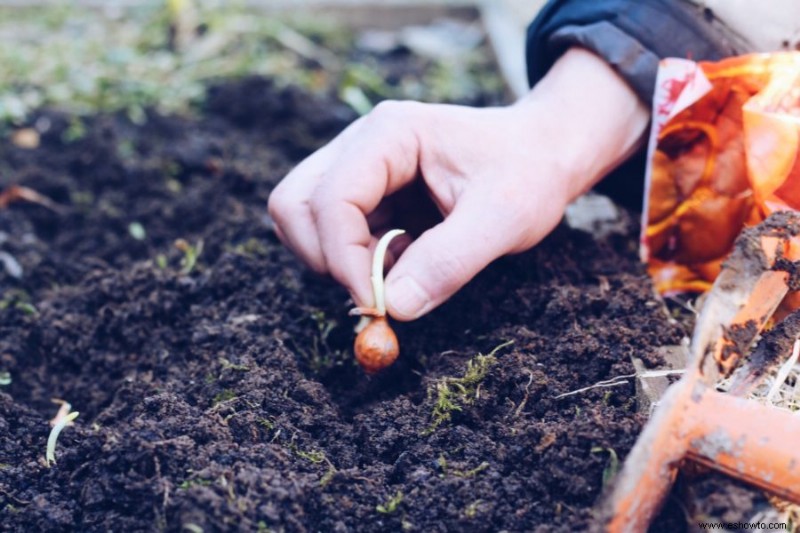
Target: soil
<point>226,397</point>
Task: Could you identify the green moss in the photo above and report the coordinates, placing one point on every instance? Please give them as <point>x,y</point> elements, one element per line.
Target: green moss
<point>189,483</point>
<point>471,473</point>
<point>227,365</point>
<point>452,394</point>
<point>313,456</point>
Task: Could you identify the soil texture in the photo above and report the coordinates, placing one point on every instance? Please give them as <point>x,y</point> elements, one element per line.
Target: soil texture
<point>221,394</point>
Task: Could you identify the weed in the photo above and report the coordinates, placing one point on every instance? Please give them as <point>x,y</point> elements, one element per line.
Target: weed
<point>391,505</point>
<point>452,394</point>
<point>190,254</point>
<point>76,130</point>
<point>471,510</point>
<point>319,355</point>
<point>18,299</point>
<point>466,474</point>
<point>612,467</point>
<point>315,457</point>
<point>189,483</point>
<point>252,247</point>
<point>227,365</point>
<point>470,473</point>
<point>223,396</point>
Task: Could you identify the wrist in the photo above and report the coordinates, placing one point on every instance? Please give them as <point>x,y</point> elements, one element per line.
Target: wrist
<point>588,119</point>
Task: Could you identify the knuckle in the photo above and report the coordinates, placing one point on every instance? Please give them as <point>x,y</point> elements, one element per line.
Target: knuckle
<point>389,111</point>
<point>278,203</point>
<point>316,204</point>
<point>284,207</point>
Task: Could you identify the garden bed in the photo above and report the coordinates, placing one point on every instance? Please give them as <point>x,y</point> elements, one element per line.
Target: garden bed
<point>215,379</point>
<point>228,394</point>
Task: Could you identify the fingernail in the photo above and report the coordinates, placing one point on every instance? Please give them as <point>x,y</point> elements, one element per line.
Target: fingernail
<point>406,297</point>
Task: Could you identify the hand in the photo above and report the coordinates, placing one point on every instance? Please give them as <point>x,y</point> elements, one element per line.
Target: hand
<point>500,177</point>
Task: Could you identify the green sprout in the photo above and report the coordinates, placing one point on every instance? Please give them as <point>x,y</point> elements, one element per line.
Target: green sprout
<point>190,254</point>
<point>378,287</point>
<point>391,506</point>
<point>224,396</point>
<point>612,467</point>
<point>62,419</point>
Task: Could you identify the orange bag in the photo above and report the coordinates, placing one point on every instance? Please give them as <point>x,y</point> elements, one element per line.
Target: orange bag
<point>723,154</point>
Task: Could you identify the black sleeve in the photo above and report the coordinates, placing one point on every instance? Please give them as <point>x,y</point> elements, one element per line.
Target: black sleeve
<point>632,36</point>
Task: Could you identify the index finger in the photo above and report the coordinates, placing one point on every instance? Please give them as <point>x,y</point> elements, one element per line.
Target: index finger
<point>377,162</point>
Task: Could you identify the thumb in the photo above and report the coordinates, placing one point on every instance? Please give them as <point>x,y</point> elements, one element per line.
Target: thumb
<point>444,259</point>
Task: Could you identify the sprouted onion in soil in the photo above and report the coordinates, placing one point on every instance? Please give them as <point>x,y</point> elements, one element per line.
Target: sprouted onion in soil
<point>376,345</point>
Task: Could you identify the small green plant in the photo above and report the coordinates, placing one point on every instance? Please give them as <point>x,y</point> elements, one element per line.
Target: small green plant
<point>76,130</point>
<point>472,509</point>
<point>252,247</point>
<point>315,457</point>
<point>391,505</point>
<point>190,254</point>
<point>223,396</point>
<point>61,420</point>
<point>18,299</point>
<point>227,365</point>
<point>189,483</point>
<point>612,467</point>
<point>470,473</point>
<point>5,378</point>
<point>452,394</point>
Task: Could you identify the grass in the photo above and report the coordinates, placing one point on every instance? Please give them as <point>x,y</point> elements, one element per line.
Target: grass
<point>452,394</point>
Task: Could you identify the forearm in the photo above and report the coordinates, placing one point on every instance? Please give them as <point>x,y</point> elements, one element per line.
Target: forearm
<point>592,116</point>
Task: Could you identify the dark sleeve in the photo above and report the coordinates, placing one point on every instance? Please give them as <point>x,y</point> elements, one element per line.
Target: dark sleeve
<point>632,36</point>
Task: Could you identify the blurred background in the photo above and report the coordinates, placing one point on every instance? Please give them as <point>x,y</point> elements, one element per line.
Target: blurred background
<point>91,56</point>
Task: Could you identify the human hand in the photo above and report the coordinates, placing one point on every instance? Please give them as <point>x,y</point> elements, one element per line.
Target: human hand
<point>500,177</point>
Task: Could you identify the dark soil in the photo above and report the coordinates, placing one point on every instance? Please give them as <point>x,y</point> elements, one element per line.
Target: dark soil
<point>226,398</point>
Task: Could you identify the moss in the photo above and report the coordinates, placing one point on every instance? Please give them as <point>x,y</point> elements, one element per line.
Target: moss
<point>452,394</point>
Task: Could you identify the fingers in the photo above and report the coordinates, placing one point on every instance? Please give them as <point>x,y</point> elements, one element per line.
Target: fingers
<point>373,165</point>
<point>290,209</point>
<point>445,258</point>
